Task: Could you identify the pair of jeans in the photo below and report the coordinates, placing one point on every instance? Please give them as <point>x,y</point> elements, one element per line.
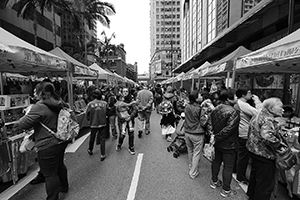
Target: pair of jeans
<point>130,134</point>
<point>51,162</point>
<point>262,179</point>
<point>112,124</point>
<point>228,158</point>
<point>242,160</point>
<point>144,117</point>
<point>100,133</point>
<point>194,145</point>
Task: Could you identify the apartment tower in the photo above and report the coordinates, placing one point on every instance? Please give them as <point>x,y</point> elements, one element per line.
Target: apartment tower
<point>165,34</point>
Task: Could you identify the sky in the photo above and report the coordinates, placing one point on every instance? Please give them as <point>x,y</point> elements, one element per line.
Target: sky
<point>131,24</point>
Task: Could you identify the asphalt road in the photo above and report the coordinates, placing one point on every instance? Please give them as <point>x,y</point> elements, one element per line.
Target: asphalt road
<point>161,177</point>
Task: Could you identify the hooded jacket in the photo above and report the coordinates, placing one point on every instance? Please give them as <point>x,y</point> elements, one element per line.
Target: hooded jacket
<point>46,112</point>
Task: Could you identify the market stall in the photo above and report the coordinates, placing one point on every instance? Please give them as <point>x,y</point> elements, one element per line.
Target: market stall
<point>79,69</point>
<point>18,56</point>
<point>266,68</point>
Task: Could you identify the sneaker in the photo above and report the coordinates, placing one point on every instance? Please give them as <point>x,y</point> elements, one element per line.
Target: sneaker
<point>131,151</point>
<point>102,157</point>
<point>214,185</point>
<point>169,139</point>
<point>147,132</point>
<point>90,152</point>
<point>140,134</point>
<point>230,193</point>
<point>118,148</point>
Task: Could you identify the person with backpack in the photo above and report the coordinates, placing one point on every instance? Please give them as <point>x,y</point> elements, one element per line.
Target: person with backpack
<point>50,150</point>
<point>96,113</point>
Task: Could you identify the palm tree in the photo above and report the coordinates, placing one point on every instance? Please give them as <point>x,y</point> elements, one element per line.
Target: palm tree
<point>106,46</point>
<point>88,10</point>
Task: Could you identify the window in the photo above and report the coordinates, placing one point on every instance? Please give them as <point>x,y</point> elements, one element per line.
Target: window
<point>157,29</point>
<point>157,36</point>
<point>157,16</point>
<point>157,42</point>
<point>178,22</point>
<point>178,16</point>
<point>178,35</point>
<point>178,42</point>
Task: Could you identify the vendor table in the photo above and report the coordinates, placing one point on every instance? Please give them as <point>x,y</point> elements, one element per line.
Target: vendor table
<point>16,162</point>
<point>82,120</point>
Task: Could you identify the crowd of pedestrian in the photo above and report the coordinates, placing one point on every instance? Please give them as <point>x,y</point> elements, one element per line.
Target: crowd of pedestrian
<point>234,122</point>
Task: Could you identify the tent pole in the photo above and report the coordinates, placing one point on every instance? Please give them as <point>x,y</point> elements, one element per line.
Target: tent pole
<point>1,83</point>
<point>233,73</point>
<point>193,83</point>
<point>70,85</point>
<point>227,79</point>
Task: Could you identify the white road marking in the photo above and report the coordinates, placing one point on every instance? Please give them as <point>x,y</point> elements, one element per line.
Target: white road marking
<point>135,178</point>
<point>72,148</point>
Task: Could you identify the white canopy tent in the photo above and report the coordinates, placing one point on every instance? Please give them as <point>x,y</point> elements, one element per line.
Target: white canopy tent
<point>79,68</point>
<point>18,56</point>
<point>282,56</point>
<point>102,74</point>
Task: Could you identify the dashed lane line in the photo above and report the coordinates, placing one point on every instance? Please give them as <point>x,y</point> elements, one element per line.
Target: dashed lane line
<point>135,178</point>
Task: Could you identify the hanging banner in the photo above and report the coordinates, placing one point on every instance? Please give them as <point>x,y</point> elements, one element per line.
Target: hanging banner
<point>22,55</point>
<point>280,53</point>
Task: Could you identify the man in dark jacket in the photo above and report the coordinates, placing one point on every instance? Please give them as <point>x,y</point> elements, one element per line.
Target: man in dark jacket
<point>225,122</point>
<point>96,114</point>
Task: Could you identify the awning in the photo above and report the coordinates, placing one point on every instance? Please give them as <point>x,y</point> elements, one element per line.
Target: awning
<point>226,64</point>
<point>102,74</point>
<point>18,56</point>
<point>282,56</point>
<point>119,78</point>
<point>79,68</point>
<point>200,71</point>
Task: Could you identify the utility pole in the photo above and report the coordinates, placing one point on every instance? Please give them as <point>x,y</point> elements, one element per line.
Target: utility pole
<point>172,38</point>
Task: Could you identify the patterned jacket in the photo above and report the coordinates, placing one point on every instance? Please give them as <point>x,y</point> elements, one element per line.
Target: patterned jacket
<point>263,136</point>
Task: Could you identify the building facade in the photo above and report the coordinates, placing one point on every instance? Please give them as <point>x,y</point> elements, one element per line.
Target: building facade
<point>24,29</point>
<point>74,41</point>
<point>204,20</point>
<point>115,61</point>
<point>165,34</point>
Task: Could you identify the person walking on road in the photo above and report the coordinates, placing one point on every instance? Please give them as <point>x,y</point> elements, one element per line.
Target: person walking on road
<point>144,104</point>
<point>194,134</point>
<point>96,114</point>
<point>225,123</point>
<point>128,121</point>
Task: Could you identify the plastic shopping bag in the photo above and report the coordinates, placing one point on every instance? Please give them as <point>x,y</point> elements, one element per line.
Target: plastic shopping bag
<point>209,152</point>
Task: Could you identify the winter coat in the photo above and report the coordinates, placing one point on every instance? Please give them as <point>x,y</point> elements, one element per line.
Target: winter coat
<point>192,123</point>
<point>264,137</point>
<point>96,113</point>
<point>46,112</point>
<point>225,123</point>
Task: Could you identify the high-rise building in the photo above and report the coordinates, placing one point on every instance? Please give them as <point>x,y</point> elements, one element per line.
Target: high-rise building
<point>25,30</point>
<point>165,34</point>
<point>204,20</point>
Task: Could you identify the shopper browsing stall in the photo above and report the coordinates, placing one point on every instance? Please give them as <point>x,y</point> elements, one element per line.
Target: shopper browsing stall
<point>49,149</point>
